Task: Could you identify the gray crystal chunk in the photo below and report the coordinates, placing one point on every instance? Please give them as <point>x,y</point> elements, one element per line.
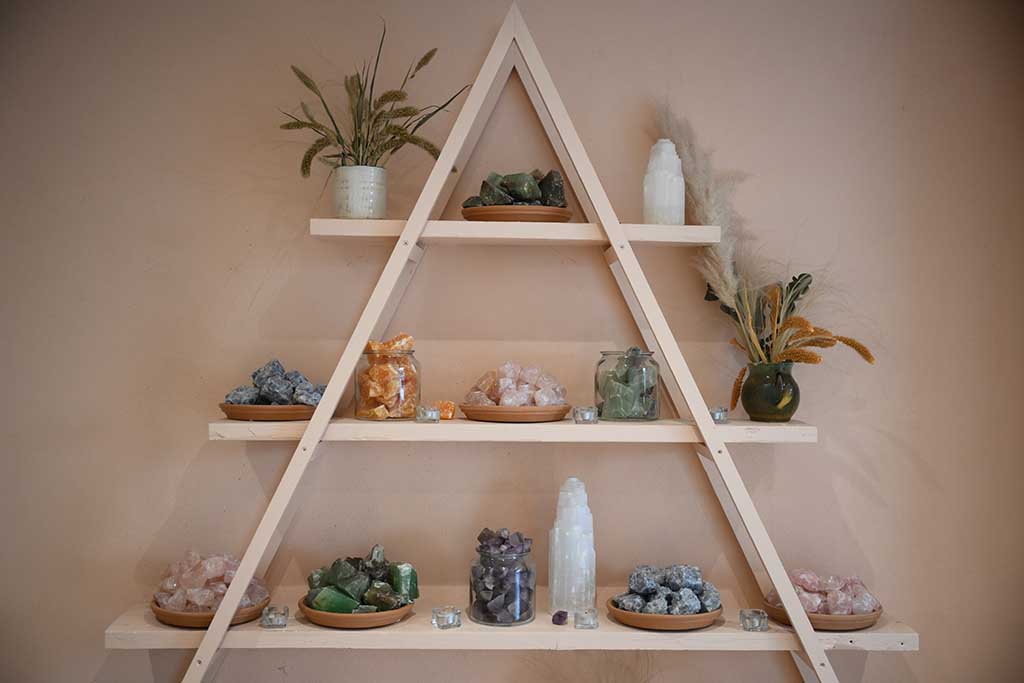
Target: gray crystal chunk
<point>631,602</point>
<point>680,576</point>
<point>276,390</point>
<point>295,377</point>
<point>657,605</point>
<point>710,599</point>
<point>552,189</point>
<point>307,394</point>
<point>686,603</point>
<point>271,369</point>
<point>643,580</point>
<point>244,396</point>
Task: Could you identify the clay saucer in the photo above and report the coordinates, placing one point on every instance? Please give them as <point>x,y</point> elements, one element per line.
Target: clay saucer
<point>663,622</point>
<point>513,213</point>
<point>203,619</point>
<point>339,620</point>
<point>515,413</point>
<point>828,622</point>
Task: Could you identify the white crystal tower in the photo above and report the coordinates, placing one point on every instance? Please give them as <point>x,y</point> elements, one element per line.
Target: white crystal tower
<point>572,563</point>
<point>664,189</point>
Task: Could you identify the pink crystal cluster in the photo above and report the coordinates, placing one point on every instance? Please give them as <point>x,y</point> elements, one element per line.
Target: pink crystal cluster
<point>828,594</point>
<point>197,584</point>
<point>513,384</point>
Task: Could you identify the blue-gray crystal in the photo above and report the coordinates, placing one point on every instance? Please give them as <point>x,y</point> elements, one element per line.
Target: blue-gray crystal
<point>680,576</point>
<point>243,396</point>
<point>295,377</point>
<point>552,189</point>
<point>643,580</point>
<point>321,389</point>
<point>686,603</point>
<point>632,602</point>
<point>710,599</point>
<point>657,605</point>
<point>271,369</point>
<point>663,592</point>
<point>307,394</point>
<point>277,391</point>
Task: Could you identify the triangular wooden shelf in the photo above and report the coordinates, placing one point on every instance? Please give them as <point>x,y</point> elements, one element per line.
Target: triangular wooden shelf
<point>514,49</point>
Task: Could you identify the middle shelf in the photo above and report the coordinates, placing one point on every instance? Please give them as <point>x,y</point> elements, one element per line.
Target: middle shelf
<point>565,431</point>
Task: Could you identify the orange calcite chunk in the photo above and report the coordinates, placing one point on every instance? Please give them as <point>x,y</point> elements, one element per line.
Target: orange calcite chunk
<point>367,413</point>
<point>446,408</point>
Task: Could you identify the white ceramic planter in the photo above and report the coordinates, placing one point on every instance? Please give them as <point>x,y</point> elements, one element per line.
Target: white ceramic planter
<point>360,191</point>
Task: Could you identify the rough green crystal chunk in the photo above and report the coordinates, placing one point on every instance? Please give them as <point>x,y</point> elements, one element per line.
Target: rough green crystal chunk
<point>521,186</point>
<point>382,596</point>
<point>472,201</point>
<point>375,564</point>
<point>491,193</point>
<point>552,189</point>
<point>354,586</point>
<point>339,571</point>
<point>317,578</point>
<point>404,581</point>
<point>331,599</point>
<point>365,609</point>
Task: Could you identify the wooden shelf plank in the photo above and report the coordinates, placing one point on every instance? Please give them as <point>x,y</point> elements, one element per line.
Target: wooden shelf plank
<point>495,232</point>
<point>138,629</point>
<point>565,431</point>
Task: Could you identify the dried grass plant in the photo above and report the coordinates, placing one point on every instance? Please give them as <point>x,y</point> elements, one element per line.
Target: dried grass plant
<point>768,315</point>
<point>378,125</point>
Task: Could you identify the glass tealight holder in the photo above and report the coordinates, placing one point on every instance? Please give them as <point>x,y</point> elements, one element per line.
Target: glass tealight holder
<point>274,616</point>
<point>446,617</point>
<point>720,415</point>
<point>428,414</point>
<point>585,415</point>
<point>754,620</point>
<point>585,618</point>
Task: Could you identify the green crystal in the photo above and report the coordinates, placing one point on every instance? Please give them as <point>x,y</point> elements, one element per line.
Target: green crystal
<point>491,193</point>
<point>552,189</point>
<point>537,174</point>
<point>354,586</point>
<point>521,186</point>
<point>472,201</point>
<point>311,595</point>
<point>404,581</point>
<point>382,596</point>
<point>330,599</point>
<point>365,609</point>
<point>339,570</point>
<point>317,578</point>
<point>375,564</point>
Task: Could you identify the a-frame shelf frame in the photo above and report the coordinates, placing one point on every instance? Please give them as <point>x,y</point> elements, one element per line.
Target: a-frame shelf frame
<point>514,48</point>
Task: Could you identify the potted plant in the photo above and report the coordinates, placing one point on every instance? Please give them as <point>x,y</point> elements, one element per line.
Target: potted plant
<point>771,327</point>
<point>377,127</point>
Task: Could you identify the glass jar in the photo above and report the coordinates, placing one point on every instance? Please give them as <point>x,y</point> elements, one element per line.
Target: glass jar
<point>502,589</point>
<point>769,393</point>
<point>626,385</point>
<point>387,386</point>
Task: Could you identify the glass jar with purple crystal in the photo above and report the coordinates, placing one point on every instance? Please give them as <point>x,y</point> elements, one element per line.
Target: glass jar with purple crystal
<point>502,580</point>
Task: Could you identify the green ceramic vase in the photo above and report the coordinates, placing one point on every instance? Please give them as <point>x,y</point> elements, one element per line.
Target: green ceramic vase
<point>769,393</point>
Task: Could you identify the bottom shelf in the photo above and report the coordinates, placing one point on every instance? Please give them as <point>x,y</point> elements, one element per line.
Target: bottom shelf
<point>138,629</point>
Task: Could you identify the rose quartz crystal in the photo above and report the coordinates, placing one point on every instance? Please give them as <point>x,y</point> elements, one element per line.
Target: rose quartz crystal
<point>832,594</point>
<point>530,374</point>
<point>511,382</point>
<point>806,579</point>
<point>832,583</point>
<point>839,602</point>
<point>478,398</point>
<point>510,370</point>
<point>810,601</point>
<point>514,397</point>
<point>863,602</point>
<point>198,584</point>
<point>505,385</point>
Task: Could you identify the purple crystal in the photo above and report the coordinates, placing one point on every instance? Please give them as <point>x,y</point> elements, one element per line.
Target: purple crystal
<point>560,618</point>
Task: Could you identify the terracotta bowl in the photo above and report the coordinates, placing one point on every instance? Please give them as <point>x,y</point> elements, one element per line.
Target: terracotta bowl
<point>338,620</point>
<point>529,214</point>
<point>663,622</point>
<point>515,413</point>
<point>266,413</point>
<point>829,622</point>
<point>203,619</point>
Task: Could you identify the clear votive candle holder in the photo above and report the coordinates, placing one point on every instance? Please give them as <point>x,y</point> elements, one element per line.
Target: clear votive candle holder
<point>585,618</point>
<point>274,616</point>
<point>428,414</point>
<point>446,617</point>
<point>585,415</point>
<point>754,620</point>
<point>720,415</point>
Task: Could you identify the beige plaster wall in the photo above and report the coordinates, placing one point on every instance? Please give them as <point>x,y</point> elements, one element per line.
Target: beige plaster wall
<point>156,249</point>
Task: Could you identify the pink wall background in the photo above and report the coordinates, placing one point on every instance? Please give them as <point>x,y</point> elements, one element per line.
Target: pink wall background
<point>156,248</point>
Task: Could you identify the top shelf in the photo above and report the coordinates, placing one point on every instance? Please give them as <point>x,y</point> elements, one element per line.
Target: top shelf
<point>513,233</point>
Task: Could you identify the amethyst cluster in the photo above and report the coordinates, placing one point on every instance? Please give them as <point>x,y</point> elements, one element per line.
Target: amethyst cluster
<point>678,589</point>
<point>503,581</point>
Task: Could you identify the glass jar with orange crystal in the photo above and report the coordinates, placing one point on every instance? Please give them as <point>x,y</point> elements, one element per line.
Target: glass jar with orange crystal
<point>387,385</point>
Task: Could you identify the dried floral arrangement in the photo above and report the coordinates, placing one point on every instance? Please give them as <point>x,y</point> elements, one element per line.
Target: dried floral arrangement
<point>379,125</point>
<point>768,314</point>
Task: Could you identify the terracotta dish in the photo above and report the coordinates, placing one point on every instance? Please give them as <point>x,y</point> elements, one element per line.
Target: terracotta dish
<point>267,413</point>
<point>829,622</point>
<point>203,619</point>
<point>513,213</point>
<point>339,620</point>
<point>663,622</point>
<point>515,413</point>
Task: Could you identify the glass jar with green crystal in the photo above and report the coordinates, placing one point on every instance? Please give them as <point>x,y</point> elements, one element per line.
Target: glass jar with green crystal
<point>626,385</point>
